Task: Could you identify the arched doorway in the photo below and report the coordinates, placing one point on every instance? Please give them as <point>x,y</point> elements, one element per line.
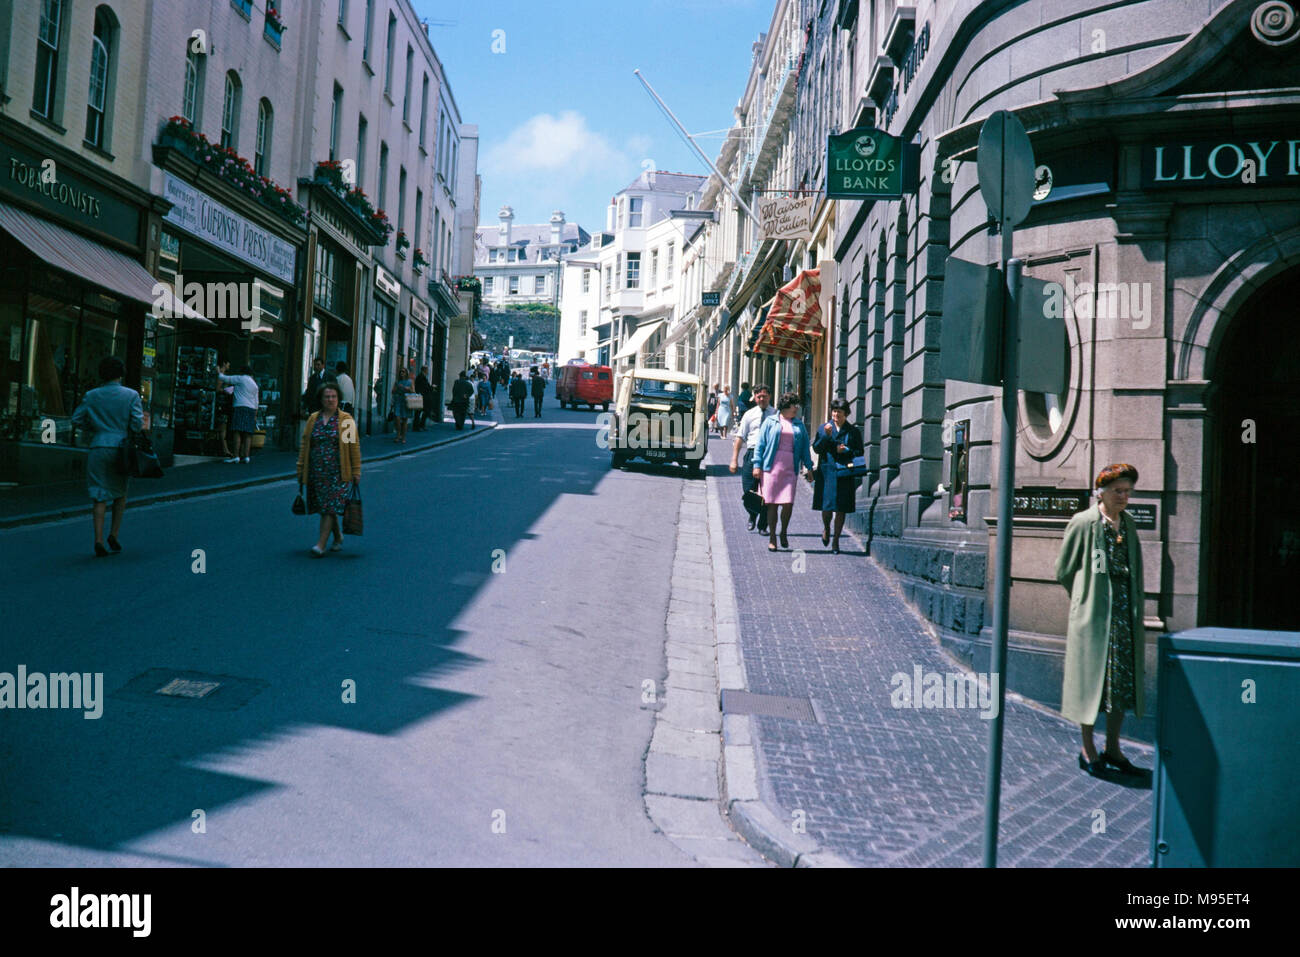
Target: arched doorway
<point>1254,482</point>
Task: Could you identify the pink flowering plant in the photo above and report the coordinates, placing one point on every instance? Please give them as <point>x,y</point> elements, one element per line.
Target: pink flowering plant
<point>330,173</point>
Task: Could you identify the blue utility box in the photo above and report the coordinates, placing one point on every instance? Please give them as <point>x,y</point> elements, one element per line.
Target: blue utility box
<point>1227,772</point>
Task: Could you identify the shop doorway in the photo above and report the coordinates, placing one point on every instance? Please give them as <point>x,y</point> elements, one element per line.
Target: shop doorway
<point>1254,502</point>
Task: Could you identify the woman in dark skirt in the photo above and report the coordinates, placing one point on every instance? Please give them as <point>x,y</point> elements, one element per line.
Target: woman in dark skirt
<point>401,414</point>
<point>329,465</point>
<point>108,414</point>
<point>837,444</point>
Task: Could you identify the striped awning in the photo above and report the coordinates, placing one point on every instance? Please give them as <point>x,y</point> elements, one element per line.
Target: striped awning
<point>793,324</point>
<point>78,256</point>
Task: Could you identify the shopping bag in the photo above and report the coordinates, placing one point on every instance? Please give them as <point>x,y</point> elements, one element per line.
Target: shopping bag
<point>414,402</point>
<point>136,457</point>
<point>352,518</point>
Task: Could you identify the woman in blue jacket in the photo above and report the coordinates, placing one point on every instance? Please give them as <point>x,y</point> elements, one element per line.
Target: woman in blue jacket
<point>782,449</point>
<point>837,443</point>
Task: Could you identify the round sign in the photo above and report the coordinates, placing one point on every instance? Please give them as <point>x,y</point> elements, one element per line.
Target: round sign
<point>1042,183</point>
<point>1006,168</point>
<point>865,146</point>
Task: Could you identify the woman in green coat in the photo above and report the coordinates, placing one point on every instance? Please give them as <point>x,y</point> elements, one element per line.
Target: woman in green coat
<point>1100,565</point>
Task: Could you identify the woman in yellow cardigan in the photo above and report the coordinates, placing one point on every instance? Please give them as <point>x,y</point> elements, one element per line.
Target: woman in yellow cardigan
<point>1100,565</point>
<point>329,465</point>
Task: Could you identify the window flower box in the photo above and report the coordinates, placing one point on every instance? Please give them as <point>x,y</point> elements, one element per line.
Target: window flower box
<point>274,28</point>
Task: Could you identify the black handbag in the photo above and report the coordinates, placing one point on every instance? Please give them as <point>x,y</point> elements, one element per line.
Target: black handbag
<point>136,457</point>
<point>299,506</point>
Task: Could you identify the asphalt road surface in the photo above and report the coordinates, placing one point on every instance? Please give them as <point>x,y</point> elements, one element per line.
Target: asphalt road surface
<point>497,717</point>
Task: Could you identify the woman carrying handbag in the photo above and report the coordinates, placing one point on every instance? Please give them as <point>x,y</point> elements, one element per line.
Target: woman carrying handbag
<point>110,414</point>
<point>329,466</point>
<point>402,391</point>
<point>840,467</point>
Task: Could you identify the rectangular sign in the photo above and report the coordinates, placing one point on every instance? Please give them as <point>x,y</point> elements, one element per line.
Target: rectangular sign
<point>58,190</point>
<point>419,311</point>
<point>1235,161</point>
<point>200,215</point>
<point>385,282</point>
<point>1144,515</point>
<point>1039,502</point>
<point>710,298</point>
<point>786,217</point>
<point>864,163</point>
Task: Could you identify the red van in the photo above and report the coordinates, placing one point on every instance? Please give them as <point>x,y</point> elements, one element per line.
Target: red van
<point>591,385</point>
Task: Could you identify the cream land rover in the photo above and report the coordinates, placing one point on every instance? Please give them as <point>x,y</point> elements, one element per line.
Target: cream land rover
<point>658,416</point>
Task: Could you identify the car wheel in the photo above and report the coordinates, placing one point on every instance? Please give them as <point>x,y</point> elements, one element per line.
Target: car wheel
<point>694,468</point>
<point>604,407</point>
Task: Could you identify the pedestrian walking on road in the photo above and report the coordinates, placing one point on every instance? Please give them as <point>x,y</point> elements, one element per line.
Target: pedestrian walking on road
<point>747,438</point>
<point>314,382</point>
<point>462,392</point>
<point>347,388</point>
<point>243,417</point>
<point>539,392</point>
<point>484,395</point>
<point>712,408</point>
<point>781,452</point>
<point>401,412</point>
<point>109,413</point>
<point>724,411</point>
<point>837,444</point>
<point>1100,565</point>
<point>329,465</point>
<point>744,401</point>
<point>518,392</point>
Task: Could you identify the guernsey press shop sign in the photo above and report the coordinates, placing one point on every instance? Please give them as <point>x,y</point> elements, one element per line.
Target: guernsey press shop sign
<point>200,215</point>
<point>1225,162</point>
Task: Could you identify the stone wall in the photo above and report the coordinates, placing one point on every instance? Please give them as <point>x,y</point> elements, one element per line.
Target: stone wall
<point>533,330</point>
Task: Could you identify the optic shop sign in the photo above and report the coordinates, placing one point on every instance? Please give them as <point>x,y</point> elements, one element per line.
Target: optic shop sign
<point>1237,162</point>
<point>864,164</point>
<point>200,215</point>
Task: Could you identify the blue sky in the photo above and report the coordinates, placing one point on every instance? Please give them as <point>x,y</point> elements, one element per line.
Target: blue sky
<point>564,124</point>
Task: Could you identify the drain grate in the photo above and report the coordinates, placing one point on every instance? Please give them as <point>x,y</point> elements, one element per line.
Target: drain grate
<point>183,688</point>
<point>190,689</point>
<point>769,705</point>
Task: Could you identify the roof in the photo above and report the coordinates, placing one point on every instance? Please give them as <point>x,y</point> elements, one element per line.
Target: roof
<point>531,238</point>
<point>658,181</point>
<point>664,375</point>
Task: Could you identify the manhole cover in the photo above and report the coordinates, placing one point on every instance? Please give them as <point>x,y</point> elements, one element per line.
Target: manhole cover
<point>183,688</point>
<point>770,705</point>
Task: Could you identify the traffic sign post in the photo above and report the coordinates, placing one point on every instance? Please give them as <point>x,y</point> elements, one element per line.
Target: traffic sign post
<point>1006,177</point>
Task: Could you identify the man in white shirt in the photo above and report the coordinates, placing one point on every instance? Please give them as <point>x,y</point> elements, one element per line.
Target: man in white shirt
<point>747,436</point>
<point>347,389</point>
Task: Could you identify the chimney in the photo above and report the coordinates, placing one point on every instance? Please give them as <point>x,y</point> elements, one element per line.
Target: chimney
<point>557,227</point>
<point>507,217</point>
<point>609,215</point>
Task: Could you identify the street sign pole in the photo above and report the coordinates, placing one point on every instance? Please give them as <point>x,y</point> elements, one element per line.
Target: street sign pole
<point>1006,176</point>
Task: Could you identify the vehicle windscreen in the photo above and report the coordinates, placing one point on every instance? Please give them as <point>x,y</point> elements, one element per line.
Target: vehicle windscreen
<point>670,391</point>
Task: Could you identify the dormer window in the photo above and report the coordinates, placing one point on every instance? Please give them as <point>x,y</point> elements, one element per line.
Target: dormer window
<point>634,212</point>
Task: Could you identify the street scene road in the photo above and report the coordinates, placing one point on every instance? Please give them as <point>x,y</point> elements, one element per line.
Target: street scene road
<point>498,717</point>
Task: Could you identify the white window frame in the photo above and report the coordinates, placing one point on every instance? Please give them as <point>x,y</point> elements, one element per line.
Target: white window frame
<point>230,112</point>
<point>514,285</point>
<point>633,271</point>
<point>582,322</point>
<point>635,212</point>
<point>262,144</point>
<point>97,93</point>
<point>49,31</point>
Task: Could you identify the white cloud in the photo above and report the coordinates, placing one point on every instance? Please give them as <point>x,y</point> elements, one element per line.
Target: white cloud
<point>555,144</point>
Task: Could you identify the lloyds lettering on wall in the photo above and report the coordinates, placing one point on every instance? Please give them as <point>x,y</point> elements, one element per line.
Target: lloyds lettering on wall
<point>1221,163</point>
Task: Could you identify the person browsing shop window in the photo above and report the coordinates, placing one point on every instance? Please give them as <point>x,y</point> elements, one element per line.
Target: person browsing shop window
<point>243,417</point>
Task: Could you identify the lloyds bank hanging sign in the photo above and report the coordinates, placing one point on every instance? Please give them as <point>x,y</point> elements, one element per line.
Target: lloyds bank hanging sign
<point>1264,160</point>
<point>864,163</point>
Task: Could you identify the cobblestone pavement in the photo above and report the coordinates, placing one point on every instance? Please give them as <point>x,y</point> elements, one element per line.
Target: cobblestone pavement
<point>886,786</point>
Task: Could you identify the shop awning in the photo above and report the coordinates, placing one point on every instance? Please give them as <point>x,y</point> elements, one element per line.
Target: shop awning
<point>78,256</point>
<point>793,323</point>
<point>638,339</point>
<point>167,303</point>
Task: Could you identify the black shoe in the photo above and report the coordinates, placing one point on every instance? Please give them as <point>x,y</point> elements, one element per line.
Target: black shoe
<point>762,529</point>
<point>751,524</point>
<point>826,537</point>
<point>835,547</point>
<point>1122,765</point>
<point>1095,768</point>
<point>114,544</point>
<point>784,542</point>
<point>100,550</point>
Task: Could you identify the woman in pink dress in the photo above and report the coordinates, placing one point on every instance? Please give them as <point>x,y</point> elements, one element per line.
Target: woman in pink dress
<point>782,450</point>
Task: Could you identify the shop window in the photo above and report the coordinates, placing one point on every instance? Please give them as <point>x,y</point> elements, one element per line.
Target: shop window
<point>49,34</point>
<point>99,95</point>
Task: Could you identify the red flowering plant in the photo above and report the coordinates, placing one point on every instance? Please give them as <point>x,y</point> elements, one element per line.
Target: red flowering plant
<point>403,241</point>
<point>273,18</point>
<point>420,261</point>
<point>330,173</point>
<point>228,166</point>
<point>468,284</point>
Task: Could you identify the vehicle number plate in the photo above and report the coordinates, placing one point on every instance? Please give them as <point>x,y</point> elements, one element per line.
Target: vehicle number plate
<point>656,454</point>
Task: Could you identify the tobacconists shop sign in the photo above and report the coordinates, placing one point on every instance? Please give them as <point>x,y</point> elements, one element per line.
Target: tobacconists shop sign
<point>198,214</point>
<point>54,187</point>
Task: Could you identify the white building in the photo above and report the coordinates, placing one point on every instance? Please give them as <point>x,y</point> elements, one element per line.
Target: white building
<point>638,257</point>
<point>580,306</point>
<point>522,263</point>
